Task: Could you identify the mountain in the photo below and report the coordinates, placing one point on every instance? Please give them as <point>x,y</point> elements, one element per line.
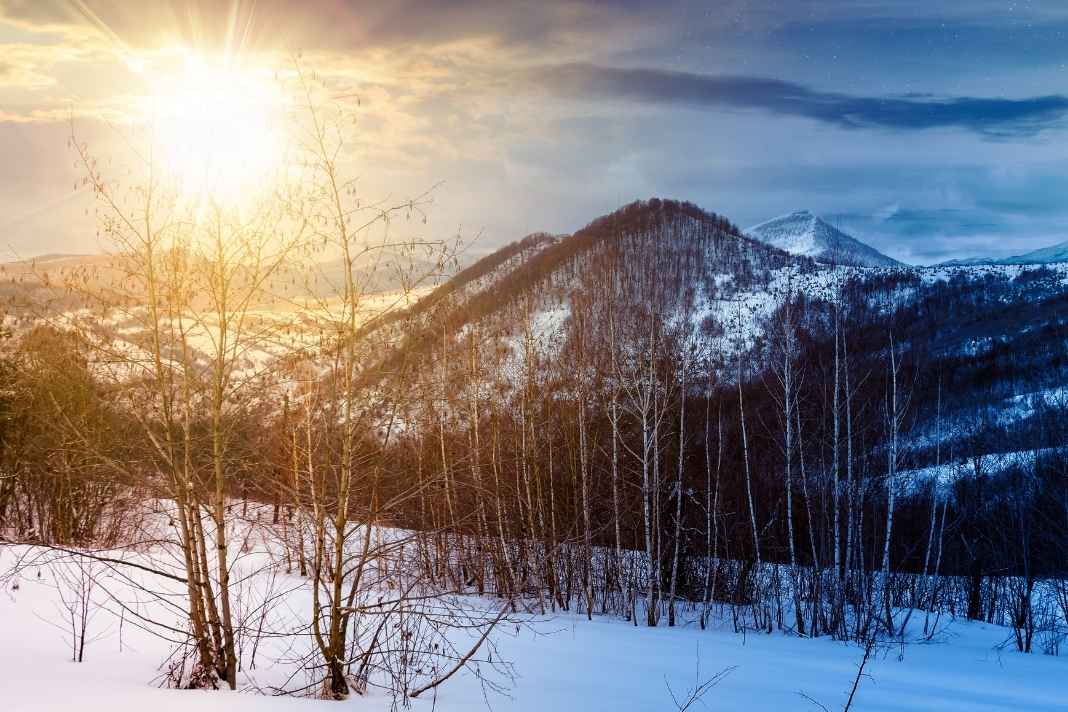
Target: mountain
<point>709,287</point>
<point>658,261</point>
<point>966,262</point>
<point>1042,256</point>
<point>802,233</point>
<point>54,257</point>
<point>559,300</point>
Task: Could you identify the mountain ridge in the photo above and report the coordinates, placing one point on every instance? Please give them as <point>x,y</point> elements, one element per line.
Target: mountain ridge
<point>1051,254</point>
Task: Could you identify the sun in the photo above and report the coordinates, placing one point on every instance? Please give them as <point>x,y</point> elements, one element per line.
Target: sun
<point>217,127</point>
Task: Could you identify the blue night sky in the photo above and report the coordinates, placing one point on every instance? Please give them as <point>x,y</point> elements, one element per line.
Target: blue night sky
<point>930,129</point>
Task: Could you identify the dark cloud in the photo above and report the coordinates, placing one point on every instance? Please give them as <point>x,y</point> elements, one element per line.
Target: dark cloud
<point>994,117</point>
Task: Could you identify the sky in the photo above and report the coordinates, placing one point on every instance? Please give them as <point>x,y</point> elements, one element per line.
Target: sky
<point>930,129</point>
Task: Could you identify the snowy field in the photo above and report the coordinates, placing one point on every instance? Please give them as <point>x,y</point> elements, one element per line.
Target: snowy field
<point>560,662</point>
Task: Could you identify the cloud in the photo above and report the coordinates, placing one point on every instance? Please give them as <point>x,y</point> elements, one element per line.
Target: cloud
<point>926,235</point>
<point>991,117</point>
<point>563,27</point>
<point>531,116</point>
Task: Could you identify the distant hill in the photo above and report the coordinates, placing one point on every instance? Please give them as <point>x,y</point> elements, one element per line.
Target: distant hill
<point>1042,256</point>
<point>802,233</point>
<point>54,257</point>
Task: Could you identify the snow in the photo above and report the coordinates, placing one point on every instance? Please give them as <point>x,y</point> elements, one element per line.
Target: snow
<point>557,662</point>
<point>949,472</point>
<point>795,233</point>
<point>945,272</point>
<point>802,233</point>
<point>546,324</point>
<point>744,316</point>
<point>1025,405</point>
<point>608,665</point>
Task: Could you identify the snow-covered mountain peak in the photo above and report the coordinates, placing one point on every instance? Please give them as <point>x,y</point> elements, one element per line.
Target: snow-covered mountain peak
<point>804,233</point>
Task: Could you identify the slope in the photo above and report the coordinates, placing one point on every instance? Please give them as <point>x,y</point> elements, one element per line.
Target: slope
<point>802,233</point>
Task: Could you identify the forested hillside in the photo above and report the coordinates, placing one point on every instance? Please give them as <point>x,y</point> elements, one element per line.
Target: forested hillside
<point>731,396</point>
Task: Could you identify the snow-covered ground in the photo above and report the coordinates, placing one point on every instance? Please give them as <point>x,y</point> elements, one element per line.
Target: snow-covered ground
<point>558,662</point>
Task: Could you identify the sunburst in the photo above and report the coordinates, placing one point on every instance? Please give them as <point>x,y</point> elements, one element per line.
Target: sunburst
<point>217,127</point>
